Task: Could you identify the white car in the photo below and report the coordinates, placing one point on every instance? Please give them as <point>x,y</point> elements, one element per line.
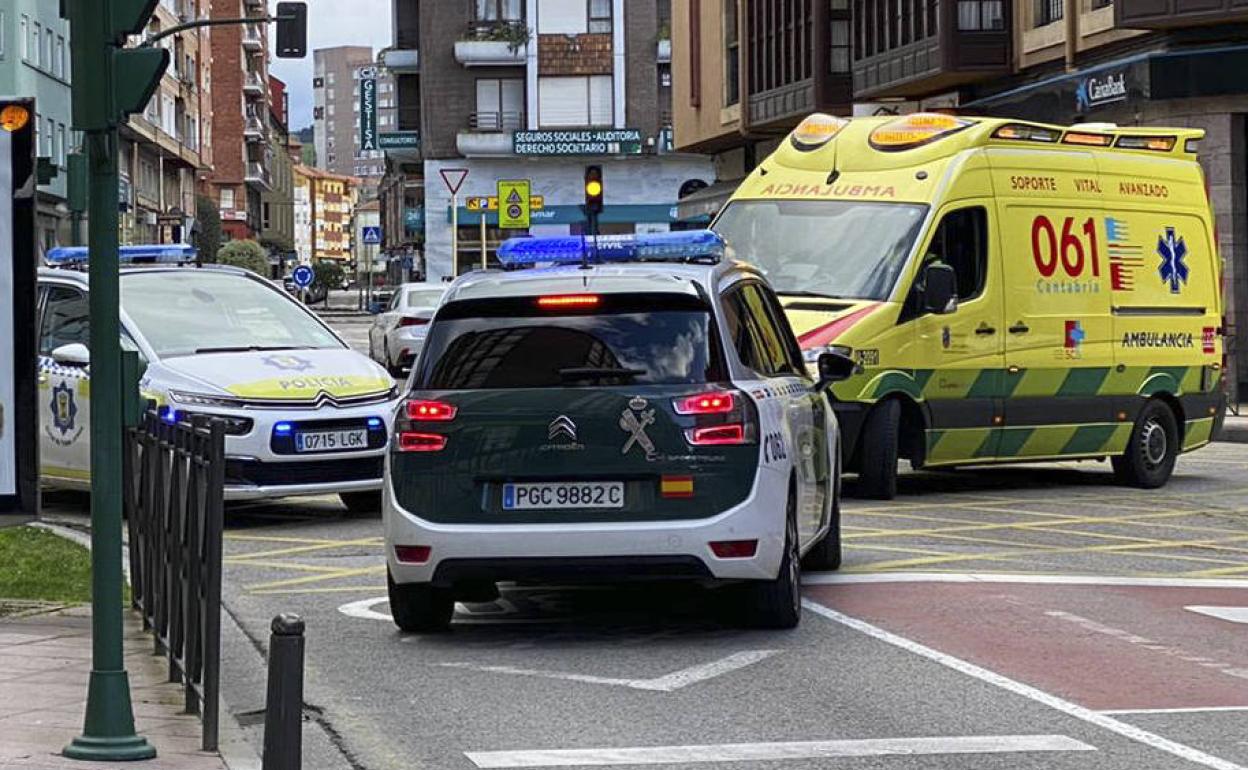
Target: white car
<point>616,421</point>
<point>398,333</point>
<point>305,414</point>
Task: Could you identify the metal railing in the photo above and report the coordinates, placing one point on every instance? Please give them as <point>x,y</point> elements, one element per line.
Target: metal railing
<point>174,504</point>
<point>496,121</point>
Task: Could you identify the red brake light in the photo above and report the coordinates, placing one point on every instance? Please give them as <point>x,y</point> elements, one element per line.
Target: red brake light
<point>568,301</point>
<point>719,435</point>
<point>412,554</point>
<point>410,441</point>
<point>705,403</point>
<point>734,549</point>
<point>409,321</point>
<point>431,411</point>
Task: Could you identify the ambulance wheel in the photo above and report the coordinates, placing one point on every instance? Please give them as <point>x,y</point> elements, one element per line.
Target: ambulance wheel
<point>361,503</point>
<point>1152,450</point>
<point>877,472</point>
<point>420,607</point>
<point>777,603</point>
<point>826,554</point>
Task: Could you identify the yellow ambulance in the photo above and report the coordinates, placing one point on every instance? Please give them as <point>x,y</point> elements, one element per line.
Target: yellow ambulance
<point>1011,292</point>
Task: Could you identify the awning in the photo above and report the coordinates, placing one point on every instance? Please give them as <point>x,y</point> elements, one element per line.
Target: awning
<point>706,202</point>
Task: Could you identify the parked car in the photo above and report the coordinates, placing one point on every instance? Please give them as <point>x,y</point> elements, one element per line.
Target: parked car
<point>398,333</point>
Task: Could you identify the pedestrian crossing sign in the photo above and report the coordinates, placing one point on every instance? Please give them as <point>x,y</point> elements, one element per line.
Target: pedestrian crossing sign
<point>514,204</point>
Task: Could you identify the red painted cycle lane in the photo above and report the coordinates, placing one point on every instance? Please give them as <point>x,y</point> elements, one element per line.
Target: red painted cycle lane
<point>1103,647</point>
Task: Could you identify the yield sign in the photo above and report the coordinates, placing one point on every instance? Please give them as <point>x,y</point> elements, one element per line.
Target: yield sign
<point>453,178</point>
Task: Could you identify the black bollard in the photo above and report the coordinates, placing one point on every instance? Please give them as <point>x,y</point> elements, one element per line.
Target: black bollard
<point>283,717</point>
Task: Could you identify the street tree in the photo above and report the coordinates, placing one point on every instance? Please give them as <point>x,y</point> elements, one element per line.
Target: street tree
<point>248,255</point>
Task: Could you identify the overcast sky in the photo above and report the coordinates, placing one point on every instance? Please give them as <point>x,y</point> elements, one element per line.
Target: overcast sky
<point>330,23</point>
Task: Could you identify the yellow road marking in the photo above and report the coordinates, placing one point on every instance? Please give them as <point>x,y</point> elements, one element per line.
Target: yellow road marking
<point>244,557</point>
<point>275,539</point>
<point>325,590</point>
<point>335,575</point>
<point>291,565</point>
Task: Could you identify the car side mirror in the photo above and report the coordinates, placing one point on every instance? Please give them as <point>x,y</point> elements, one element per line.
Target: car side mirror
<point>940,289</point>
<point>834,367</point>
<point>73,354</point>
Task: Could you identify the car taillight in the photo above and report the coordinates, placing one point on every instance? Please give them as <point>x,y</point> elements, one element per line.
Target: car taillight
<point>431,411</point>
<point>705,403</point>
<point>718,435</point>
<point>409,321</point>
<point>411,441</point>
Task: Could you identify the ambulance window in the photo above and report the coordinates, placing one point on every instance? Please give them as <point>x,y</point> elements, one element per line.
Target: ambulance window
<point>961,242</point>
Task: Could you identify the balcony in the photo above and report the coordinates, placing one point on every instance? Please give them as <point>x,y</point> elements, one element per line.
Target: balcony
<point>258,174</point>
<point>252,40</point>
<point>253,129</point>
<point>493,44</point>
<point>253,85</point>
<point>1165,14</point>
<point>927,53</point>
<point>401,61</point>
<point>489,134</point>
<point>794,71</point>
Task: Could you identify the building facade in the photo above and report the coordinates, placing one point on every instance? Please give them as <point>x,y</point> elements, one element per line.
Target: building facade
<point>402,191</point>
<point>742,80</point>
<point>338,113</point>
<point>324,208</point>
<point>538,90</point>
<point>301,194</point>
<point>277,212</point>
<point>241,105</point>
<point>34,61</point>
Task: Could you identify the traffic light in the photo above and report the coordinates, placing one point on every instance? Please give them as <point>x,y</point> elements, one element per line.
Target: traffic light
<point>110,80</point>
<point>292,30</point>
<point>593,190</point>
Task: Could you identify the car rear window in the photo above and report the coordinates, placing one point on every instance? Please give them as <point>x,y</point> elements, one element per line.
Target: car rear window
<point>635,339</point>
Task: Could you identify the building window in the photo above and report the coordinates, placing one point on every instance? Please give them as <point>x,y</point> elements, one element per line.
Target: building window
<point>23,25</point>
<point>49,49</point>
<point>498,10</point>
<point>227,199</point>
<point>732,54</point>
<point>976,15</point>
<point>58,63</point>
<point>266,222</point>
<point>573,102</point>
<point>838,45</point>
<point>500,104</point>
<point>600,16</point>
<point>1047,12</point>
<point>36,44</point>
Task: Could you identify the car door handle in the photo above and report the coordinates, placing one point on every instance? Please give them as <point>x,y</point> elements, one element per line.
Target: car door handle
<point>986,330</point>
<point>1020,328</point>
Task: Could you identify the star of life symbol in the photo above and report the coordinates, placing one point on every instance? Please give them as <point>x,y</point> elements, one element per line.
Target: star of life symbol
<point>1172,251</point>
<point>634,420</point>
<point>562,427</point>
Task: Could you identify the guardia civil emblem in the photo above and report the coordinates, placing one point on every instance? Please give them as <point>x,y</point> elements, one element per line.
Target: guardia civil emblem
<point>634,420</point>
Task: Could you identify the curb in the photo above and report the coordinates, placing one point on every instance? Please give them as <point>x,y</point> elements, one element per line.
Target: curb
<point>232,745</point>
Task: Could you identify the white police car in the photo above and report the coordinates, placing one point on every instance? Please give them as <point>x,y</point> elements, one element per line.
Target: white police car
<point>644,415</point>
<point>304,413</point>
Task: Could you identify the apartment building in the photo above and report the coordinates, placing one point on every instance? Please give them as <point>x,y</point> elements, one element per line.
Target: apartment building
<point>241,105</point>
<point>324,207</point>
<point>34,61</point>
<point>402,189</point>
<point>353,100</point>
<point>277,213</point>
<point>745,73</point>
<point>537,90</point>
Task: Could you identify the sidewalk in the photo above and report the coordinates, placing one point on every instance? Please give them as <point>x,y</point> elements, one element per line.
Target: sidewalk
<point>1235,427</point>
<point>44,663</point>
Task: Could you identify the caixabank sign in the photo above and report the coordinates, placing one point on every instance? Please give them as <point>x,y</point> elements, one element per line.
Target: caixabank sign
<point>19,462</point>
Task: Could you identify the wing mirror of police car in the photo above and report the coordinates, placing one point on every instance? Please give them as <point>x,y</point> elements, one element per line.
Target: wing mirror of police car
<point>834,367</point>
<point>73,354</point>
<point>940,289</point>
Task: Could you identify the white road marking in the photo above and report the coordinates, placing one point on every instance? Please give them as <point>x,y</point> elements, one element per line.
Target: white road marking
<point>1196,710</point>
<point>363,609</point>
<point>757,752</point>
<point>1233,614</point>
<point>668,683</point>
<point>1018,688</point>
<point>1148,644</point>
<point>833,578</point>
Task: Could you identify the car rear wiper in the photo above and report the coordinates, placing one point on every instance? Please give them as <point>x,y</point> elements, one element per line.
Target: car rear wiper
<point>595,373</point>
<point>251,349</point>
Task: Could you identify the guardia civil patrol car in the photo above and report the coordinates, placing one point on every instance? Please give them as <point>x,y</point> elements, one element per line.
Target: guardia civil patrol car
<point>304,413</point>
<point>1010,291</point>
<point>642,413</point>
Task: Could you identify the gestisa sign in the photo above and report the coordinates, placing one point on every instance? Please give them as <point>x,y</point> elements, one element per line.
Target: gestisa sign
<point>368,109</point>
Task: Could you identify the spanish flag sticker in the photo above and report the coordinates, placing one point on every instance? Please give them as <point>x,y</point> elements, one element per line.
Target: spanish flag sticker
<point>676,486</point>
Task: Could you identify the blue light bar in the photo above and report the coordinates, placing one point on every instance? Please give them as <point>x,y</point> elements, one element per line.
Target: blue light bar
<point>165,254</point>
<point>685,246</point>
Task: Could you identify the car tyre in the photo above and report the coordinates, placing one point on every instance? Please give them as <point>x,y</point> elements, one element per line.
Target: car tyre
<point>777,604</point>
<point>1152,450</point>
<point>362,503</point>
<point>877,473</point>
<point>825,555</point>
<point>420,608</point>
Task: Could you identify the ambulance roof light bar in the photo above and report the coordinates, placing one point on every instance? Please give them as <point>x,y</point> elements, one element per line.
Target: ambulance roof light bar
<point>160,254</point>
<point>702,246</point>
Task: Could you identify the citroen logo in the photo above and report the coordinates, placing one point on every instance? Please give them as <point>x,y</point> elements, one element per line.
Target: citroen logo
<point>562,427</point>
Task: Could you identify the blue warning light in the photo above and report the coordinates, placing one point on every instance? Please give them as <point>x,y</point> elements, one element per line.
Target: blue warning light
<point>684,246</point>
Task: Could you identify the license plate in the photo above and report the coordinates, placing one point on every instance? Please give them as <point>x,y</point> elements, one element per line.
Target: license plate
<point>562,495</point>
<point>331,440</point>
